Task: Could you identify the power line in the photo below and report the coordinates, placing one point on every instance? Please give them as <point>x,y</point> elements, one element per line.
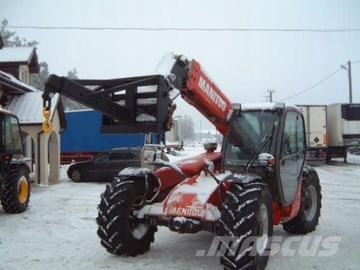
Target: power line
<point>201,29</point>
<point>327,77</point>
<point>184,29</point>
<point>311,87</point>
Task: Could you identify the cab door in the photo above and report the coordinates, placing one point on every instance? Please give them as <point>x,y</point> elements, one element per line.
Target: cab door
<point>292,154</point>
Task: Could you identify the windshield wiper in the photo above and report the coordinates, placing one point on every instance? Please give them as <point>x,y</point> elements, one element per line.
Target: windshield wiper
<point>257,151</point>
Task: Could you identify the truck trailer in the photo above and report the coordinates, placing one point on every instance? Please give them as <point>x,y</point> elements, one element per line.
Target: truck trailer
<point>316,132</point>
<point>343,122</point>
<point>331,130</point>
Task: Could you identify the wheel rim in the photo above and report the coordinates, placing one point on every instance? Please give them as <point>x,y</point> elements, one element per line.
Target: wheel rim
<point>263,229</point>
<point>23,189</point>
<point>76,176</point>
<point>310,203</point>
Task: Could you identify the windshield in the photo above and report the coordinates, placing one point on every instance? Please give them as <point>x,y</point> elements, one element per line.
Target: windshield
<point>10,134</point>
<point>247,131</point>
<point>102,157</point>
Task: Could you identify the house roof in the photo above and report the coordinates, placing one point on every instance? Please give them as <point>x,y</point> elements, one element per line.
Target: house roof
<point>28,108</point>
<point>14,86</point>
<point>14,56</point>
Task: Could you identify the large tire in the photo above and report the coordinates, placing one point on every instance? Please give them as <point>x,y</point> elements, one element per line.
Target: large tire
<point>309,213</point>
<point>119,230</point>
<point>247,226</point>
<point>16,196</point>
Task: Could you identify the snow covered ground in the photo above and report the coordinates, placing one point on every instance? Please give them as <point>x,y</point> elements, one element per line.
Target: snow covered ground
<point>59,231</point>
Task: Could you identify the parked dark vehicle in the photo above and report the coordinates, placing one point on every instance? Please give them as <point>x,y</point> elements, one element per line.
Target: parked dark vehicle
<point>355,150</point>
<point>106,165</point>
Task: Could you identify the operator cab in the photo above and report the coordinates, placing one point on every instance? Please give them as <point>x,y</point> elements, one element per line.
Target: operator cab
<point>10,133</point>
<point>274,129</point>
<point>10,142</point>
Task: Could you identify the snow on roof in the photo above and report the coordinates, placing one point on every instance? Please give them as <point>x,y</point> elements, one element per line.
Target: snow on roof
<point>266,106</point>
<point>28,107</point>
<point>16,54</point>
<point>79,111</point>
<point>6,76</point>
<point>262,106</point>
<point>11,79</point>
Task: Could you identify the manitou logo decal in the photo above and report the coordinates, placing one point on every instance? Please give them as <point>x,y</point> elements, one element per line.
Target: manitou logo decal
<point>211,93</point>
<point>187,211</point>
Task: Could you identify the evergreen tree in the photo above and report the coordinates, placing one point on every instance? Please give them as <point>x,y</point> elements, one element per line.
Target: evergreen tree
<point>72,74</point>
<point>69,104</point>
<point>12,40</point>
<point>38,80</point>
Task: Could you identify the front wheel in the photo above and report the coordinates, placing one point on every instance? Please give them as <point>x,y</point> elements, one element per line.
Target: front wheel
<point>120,230</point>
<point>246,226</point>
<point>309,213</point>
<point>16,195</point>
<point>76,176</point>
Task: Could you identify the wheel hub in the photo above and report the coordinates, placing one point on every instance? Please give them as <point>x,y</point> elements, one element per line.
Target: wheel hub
<point>23,189</point>
<point>310,201</point>
<point>263,229</point>
<point>76,175</point>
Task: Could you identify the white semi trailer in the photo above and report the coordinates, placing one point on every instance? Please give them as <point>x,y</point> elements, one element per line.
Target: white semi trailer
<point>343,124</point>
<point>331,130</point>
<point>316,131</point>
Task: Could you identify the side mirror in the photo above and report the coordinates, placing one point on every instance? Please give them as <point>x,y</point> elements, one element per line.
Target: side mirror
<point>150,156</point>
<point>266,160</point>
<point>153,155</point>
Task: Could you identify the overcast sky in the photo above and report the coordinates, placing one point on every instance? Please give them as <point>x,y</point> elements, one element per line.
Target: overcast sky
<point>245,64</point>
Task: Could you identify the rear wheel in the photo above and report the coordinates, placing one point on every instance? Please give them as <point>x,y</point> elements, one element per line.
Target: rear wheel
<point>16,195</point>
<point>246,226</point>
<point>76,175</point>
<point>309,212</point>
<point>120,230</point>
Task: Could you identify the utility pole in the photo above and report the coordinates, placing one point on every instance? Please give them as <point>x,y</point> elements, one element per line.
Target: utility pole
<point>349,76</point>
<point>350,83</point>
<point>271,91</point>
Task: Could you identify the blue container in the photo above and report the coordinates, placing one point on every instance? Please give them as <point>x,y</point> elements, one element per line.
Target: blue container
<point>83,134</point>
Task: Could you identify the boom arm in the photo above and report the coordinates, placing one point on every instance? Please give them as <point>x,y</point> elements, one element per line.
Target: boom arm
<point>126,108</point>
<point>144,104</point>
<point>201,92</point>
